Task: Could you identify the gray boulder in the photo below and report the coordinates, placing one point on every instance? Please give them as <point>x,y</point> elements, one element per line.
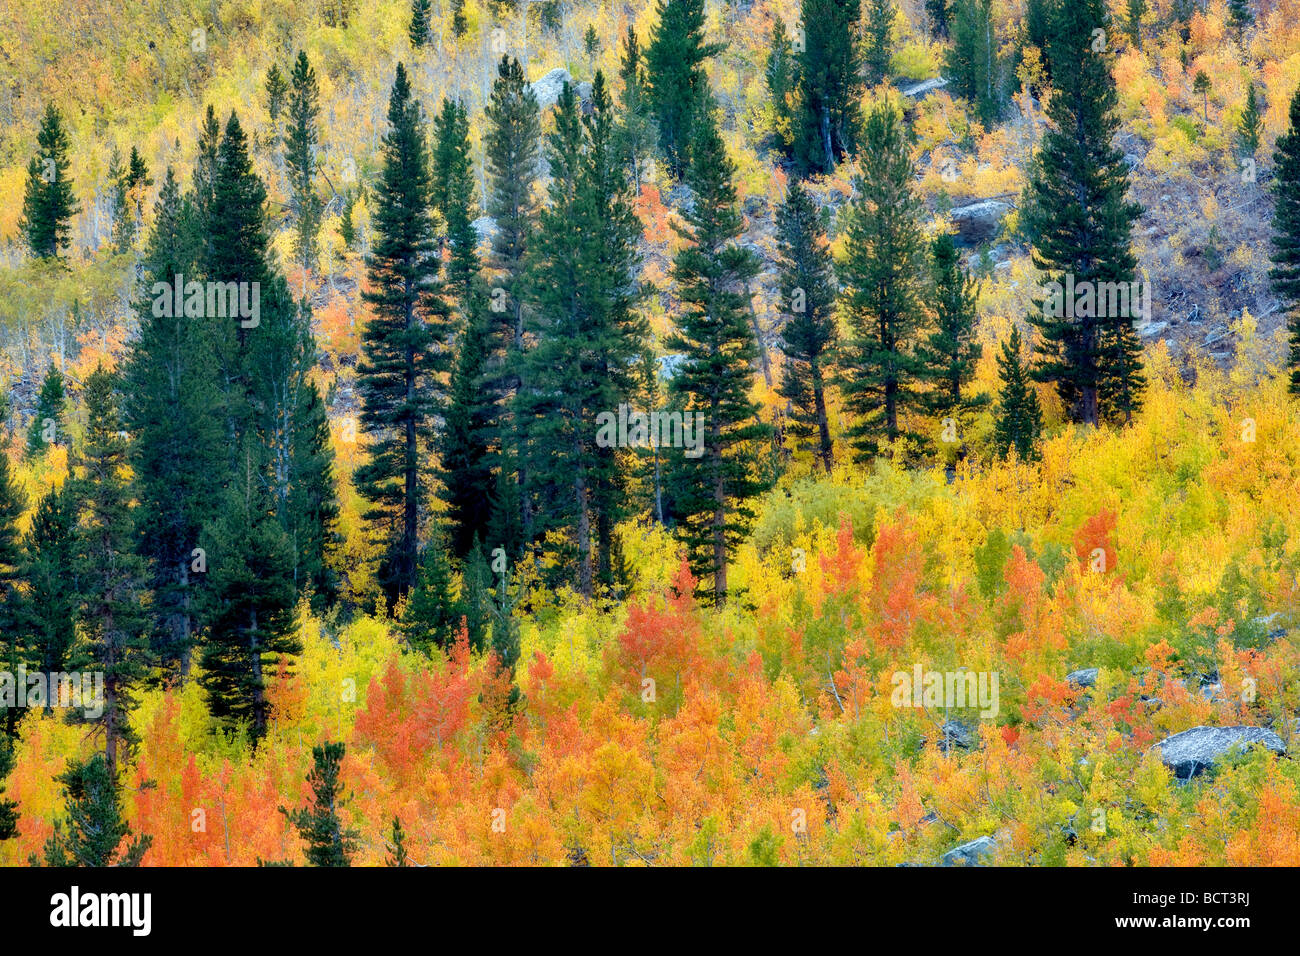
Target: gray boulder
<point>924,87</point>
<point>547,89</point>
<point>969,854</point>
<point>1191,751</point>
<point>978,221</point>
<point>958,734</point>
<point>1087,677</point>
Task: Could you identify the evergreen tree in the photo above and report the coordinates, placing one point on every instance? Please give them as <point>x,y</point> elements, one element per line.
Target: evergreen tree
<point>95,832</point>
<point>951,349</point>
<point>1018,421</point>
<point>431,615</point>
<point>250,599</point>
<point>1240,15</point>
<point>329,843</point>
<point>939,12</point>
<point>781,78</point>
<point>454,198</point>
<point>476,597</point>
<point>458,22</point>
<point>49,570</point>
<point>47,422</point>
<point>276,91</point>
<point>404,355</point>
<point>586,333</point>
<point>464,442</point>
<point>419,30</point>
<point>1137,9</point>
<point>1202,86</point>
<point>300,148</point>
<point>880,28</point>
<point>808,336</point>
<point>973,59</point>
<point>14,643</point>
<point>677,84</point>
<point>1251,125</point>
<point>48,201</point>
<point>110,575</point>
<point>1079,221</point>
<point>880,369</point>
<point>1038,29</point>
<point>712,490</point>
<point>8,808</point>
<point>636,130</point>
<point>397,855</point>
<point>170,388</point>
<point>830,84</point>
<point>511,143</point>
<point>1285,274</point>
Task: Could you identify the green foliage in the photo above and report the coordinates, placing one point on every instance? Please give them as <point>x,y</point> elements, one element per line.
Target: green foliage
<point>677,85</point>
<point>329,843</point>
<point>47,421</point>
<point>94,830</point>
<point>48,200</point>
<point>1019,420</point>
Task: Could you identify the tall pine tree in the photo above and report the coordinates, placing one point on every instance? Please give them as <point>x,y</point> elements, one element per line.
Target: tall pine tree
<point>301,144</point>
<point>830,84</point>
<point>1285,274</point>
<point>48,200</point>
<point>676,81</point>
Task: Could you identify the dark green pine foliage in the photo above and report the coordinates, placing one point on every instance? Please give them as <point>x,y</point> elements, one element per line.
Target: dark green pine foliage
<point>14,643</point>
<point>939,12</point>
<point>636,129</point>
<point>458,22</point>
<point>780,74</point>
<point>454,198</point>
<point>170,389</point>
<point>587,335</point>
<point>878,46</point>
<point>110,575</point>
<point>464,443</point>
<point>404,346</point>
<point>1240,15</point>
<point>677,84</point>
<point>94,832</point>
<point>49,569</point>
<point>1018,420</point>
<point>476,600</point>
<point>973,64</point>
<point>1251,125</point>
<point>830,84</point>
<point>397,855</point>
<point>48,200</point>
<point>1079,221</point>
<point>276,91</point>
<point>712,492</point>
<point>202,193</point>
<point>1136,11</point>
<point>250,602</point>
<point>301,143</point>
<point>951,350</point>
<point>881,373</point>
<point>1038,28</point>
<point>418,31</point>
<point>328,842</point>
<point>128,189</point>
<point>432,613</point>
<point>808,335</point>
<point>47,422</point>
<point>1285,274</point>
<point>511,143</point>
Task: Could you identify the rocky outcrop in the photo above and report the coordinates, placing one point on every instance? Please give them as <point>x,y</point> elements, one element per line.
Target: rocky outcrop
<point>978,222</point>
<point>1192,751</point>
<point>547,89</point>
<point>1086,677</point>
<point>958,734</point>
<point>970,854</point>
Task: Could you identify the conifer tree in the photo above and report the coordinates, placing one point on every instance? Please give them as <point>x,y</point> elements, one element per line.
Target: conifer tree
<point>48,200</point>
<point>454,198</point>
<point>49,569</point>
<point>8,808</point>
<point>938,11</point>
<point>329,843</point>
<point>432,613</point>
<point>808,336</point>
<point>881,373</point>
<point>47,421</point>
<point>1285,273</point>
<point>404,355</point>
<point>170,389</point>
<point>1251,123</point>
<point>1018,421</point>
<point>419,30</point>
<point>636,132</point>
<point>880,28</point>
<point>464,443</point>
<point>14,642</point>
<point>511,143</point>
<point>712,491</point>
<point>676,81</point>
<point>301,143</point>
<point>250,602</point>
<point>94,832</point>
<point>973,62</point>
<point>397,855</point>
<point>951,350</point>
<point>830,84</point>
<point>1136,11</point>
<point>110,574</point>
<point>1240,15</point>
<point>781,78</point>
<point>1079,220</point>
<point>276,91</point>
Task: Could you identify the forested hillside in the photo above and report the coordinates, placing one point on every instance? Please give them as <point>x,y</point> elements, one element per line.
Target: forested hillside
<point>656,433</point>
